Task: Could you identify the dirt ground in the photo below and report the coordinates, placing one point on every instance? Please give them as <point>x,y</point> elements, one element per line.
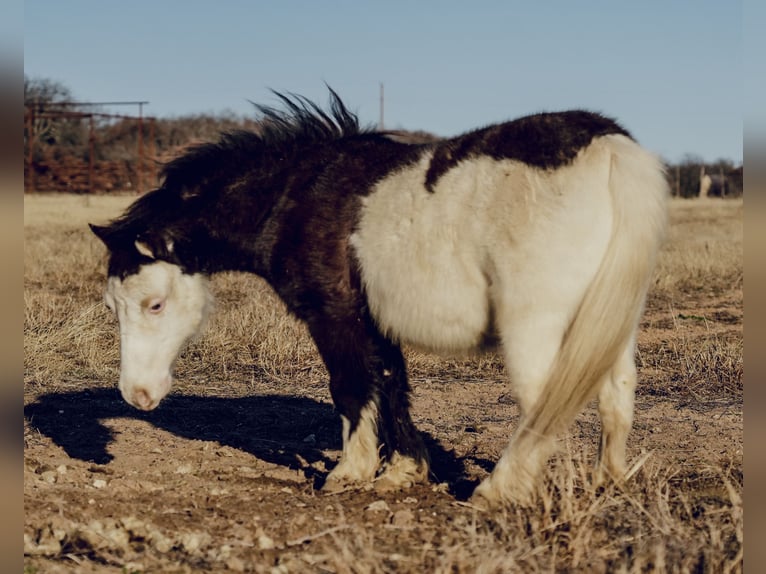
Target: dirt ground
<point>223,476</point>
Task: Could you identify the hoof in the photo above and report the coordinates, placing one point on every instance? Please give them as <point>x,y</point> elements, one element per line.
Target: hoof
<point>487,496</point>
<point>347,476</point>
<point>332,485</point>
<point>401,472</point>
<point>483,497</point>
<point>385,483</point>
<point>478,502</point>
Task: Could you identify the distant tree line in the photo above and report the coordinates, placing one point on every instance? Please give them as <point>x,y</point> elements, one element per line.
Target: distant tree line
<point>60,150</point>
<point>687,178</point>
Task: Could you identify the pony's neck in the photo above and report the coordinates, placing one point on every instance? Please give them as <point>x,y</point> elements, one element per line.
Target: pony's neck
<point>225,236</point>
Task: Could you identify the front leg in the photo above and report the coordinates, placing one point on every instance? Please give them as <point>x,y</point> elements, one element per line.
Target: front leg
<point>360,459</point>
<point>407,460</point>
<point>368,383</point>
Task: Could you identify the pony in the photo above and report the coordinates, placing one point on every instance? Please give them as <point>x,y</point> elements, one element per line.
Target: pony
<point>540,233</point>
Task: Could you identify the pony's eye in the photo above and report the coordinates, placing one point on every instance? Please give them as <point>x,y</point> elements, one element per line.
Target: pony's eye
<point>156,306</point>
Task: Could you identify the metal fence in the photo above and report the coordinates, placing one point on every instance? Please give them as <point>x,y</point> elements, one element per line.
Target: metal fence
<point>65,151</point>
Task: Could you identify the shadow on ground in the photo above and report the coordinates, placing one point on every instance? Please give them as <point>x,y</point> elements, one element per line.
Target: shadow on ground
<point>273,428</point>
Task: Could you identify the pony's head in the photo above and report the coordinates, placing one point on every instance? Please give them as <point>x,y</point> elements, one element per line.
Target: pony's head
<point>159,306</point>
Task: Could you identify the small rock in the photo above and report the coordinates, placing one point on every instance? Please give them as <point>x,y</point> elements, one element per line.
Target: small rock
<point>135,525</point>
<point>161,543</point>
<point>224,552</point>
<point>403,518</point>
<point>184,469</point>
<point>99,483</point>
<point>193,541</point>
<point>265,542</point>
<point>235,564</point>
<point>378,506</point>
<point>42,468</point>
<point>506,399</point>
<point>93,535</point>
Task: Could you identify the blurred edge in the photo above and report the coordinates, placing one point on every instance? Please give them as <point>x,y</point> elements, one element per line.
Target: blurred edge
<point>755,279</point>
<point>11,284</point>
<point>755,336</point>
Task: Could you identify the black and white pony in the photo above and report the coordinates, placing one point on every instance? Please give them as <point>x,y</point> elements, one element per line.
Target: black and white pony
<point>540,232</point>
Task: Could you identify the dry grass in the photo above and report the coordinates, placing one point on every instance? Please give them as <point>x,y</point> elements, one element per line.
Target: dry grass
<point>668,518</point>
<point>691,344</point>
<point>654,526</point>
<point>703,252</point>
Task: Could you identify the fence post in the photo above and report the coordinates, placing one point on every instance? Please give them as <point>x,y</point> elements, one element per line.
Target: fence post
<point>152,153</point>
<point>91,151</point>
<point>140,149</point>
<point>30,154</point>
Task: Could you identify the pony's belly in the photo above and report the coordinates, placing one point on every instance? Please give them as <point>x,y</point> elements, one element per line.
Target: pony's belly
<point>442,310</point>
<point>420,262</point>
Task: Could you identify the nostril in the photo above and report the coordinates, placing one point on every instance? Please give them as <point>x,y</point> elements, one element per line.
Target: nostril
<point>142,399</point>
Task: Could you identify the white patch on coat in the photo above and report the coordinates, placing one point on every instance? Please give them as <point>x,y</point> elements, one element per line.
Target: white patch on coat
<point>159,309</point>
<point>491,232</point>
<point>359,460</point>
<point>424,279</point>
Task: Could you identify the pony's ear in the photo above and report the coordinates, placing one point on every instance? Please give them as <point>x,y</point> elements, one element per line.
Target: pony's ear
<point>144,249</point>
<point>101,232</point>
<point>154,246</point>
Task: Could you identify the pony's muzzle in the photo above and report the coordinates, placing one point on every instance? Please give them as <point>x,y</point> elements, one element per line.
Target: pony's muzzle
<point>146,398</point>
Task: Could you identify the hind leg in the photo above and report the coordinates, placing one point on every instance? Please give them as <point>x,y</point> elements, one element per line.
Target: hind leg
<point>615,405</point>
<point>531,345</point>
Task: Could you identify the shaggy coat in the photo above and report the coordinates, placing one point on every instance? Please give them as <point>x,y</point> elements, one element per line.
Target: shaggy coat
<point>540,233</point>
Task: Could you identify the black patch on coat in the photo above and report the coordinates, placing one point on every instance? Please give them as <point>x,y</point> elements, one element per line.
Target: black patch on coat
<point>545,141</point>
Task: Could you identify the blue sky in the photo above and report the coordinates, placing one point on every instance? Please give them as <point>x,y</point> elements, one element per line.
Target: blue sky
<point>670,72</point>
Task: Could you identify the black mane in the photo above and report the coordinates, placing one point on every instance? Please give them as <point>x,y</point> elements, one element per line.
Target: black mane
<point>206,172</point>
<point>304,122</point>
<point>281,134</point>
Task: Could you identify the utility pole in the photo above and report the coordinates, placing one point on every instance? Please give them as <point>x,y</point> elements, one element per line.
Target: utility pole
<point>380,123</point>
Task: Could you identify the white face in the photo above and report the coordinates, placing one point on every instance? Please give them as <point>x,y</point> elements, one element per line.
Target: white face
<point>159,309</point>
